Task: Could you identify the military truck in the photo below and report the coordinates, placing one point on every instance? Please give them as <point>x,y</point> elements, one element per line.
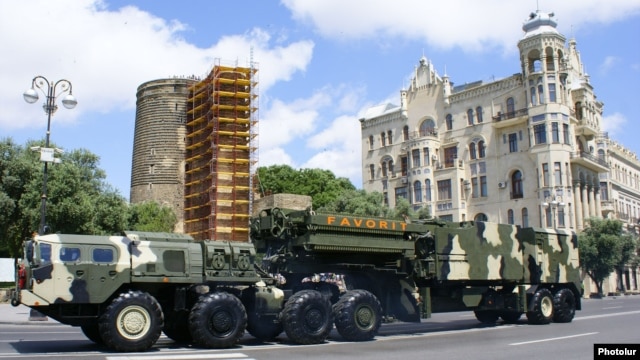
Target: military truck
<point>316,271</point>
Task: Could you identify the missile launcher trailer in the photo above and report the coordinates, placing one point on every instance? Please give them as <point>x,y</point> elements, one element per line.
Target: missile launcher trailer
<point>317,271</point>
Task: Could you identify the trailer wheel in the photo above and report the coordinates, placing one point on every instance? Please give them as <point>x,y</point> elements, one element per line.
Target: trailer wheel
<point>92,332</point>
<point>176,326</point>
<point>132,322</point>
<point>510,317</point>
<point>264,328</point>
<point>357,315</point>
<point>542,311</point>
<point>217,320</point>
<point>564,306</point>
<point>306,317</point>
<point>486,316</point>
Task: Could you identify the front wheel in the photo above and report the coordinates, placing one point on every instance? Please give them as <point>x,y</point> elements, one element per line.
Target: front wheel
<point>564,306</point>
<point>132,322</point>
<point>358,315</point>
<point>542,310</point>
<point>306,317</point>
<point>217,320</point>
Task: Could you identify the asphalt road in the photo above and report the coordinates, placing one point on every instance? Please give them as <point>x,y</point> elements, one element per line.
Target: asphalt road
<point>450,336</point>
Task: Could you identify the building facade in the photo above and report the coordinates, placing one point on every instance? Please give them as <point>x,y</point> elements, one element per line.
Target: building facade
<point>522,150</point>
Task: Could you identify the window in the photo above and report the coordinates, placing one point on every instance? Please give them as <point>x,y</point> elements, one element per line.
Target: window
<point>372,172</point>
<point>533,96</point>
<point>390,137</point>
<point>604,192</point>
<point>540,135</point>
<point>444,189</point>
<point>513,143</point>
<point>470,117</point>
<point>425,151</point>
<point>405,133</point>
<point>401,193</point>
<point>561,223</point>
<point>578,110</point>
<point>557,173</point>
<point>483,186</point>
<point>472,151</point>
<point>69,254</point>
<point>391,167</point>
<point>545,174</point>
<point>102,255</point>
<point>404,165</point>
<point>474,187</point>
<point>555,133</point>
<point>174,261</point>
<point>479,114</point>
<point>449,121</point>
<point>552,92</point>
<point>384,169</point>
<point>525,217</point>
<point>415,157</point>
<point>152,169</point>
<point>370,142</point>
<point>516,185</point>
<point>541,94</point>
<point>565,133</point>
<point>481,148</point>
<point>481,217</point>
<point>427,189</point>
<point>383,139</point>
<point>417,192</point>
<point>510,217</point>
<point>427,128</point>
<point>450,156</point>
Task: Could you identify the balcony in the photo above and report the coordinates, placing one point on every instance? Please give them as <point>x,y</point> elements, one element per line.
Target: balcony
<point>589,161</point>
<point>511,118</point>
<point>587,128</point>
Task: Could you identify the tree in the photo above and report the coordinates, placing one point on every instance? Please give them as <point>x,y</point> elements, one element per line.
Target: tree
<point>358,202</point>
<point>601,249</point>
<point>151,216</point>
<point>628,254</point>
<point>79,201</point>
<point>322,185</point>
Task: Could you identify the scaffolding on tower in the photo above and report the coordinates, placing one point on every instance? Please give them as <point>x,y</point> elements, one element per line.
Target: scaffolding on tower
<point>221,153</point>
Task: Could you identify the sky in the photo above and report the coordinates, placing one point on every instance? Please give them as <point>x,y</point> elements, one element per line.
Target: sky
<point>322,64</point>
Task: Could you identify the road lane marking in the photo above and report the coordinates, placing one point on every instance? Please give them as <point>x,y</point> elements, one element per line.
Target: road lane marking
<point>180,357</point>
<point>589,317</point>
<point>553,339</point>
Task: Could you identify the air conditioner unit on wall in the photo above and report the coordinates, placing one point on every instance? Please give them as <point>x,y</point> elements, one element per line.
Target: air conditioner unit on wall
<point>502,184</point>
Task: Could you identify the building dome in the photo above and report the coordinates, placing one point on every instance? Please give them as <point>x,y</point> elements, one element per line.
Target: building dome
<point>538,23</point>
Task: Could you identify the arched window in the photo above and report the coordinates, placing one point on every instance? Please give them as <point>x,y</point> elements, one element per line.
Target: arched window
<point>472,151</point>
<point>470,116</point>
<point>541,94</point>
<point>405,133</point>
<point>390,137</point>
<point>534,98</point>
<point>391,167</point>
<point>384,169</point>
<point>479,114</point>
<point>511,108</point>
<point>525,217</point>
<point>516,185</point>
<point>427,189</point>
<point>370,142</point>
<point>449,121</point>
<point>417,192</point>
<point>481,147</point>
<point>481,217</point>
<point>383,139</point>
<point>427,128</point>
<point>372,172</point>
<point>510,216</point>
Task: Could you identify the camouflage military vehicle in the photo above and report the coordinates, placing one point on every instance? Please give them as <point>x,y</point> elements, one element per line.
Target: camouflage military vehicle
<point>124,290</point>
<point>317,271</point>
<point>371,268</point>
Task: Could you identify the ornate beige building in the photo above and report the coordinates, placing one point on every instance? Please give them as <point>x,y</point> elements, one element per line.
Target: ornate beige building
<point>522,150</point>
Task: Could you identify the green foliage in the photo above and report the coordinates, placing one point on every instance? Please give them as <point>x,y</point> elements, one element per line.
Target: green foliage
<point>358,202</point>
<point>151,216</point>
<point>78,199</point>
<point>321,185</point>
<point>604,248</point>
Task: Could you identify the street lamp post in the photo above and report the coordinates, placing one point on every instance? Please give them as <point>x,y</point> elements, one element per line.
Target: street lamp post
<point>50,107</point>
<point>553,205</point>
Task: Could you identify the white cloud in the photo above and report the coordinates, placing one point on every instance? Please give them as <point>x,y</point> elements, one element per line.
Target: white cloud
<point>608,63</point>
<point>613,124</point>
<point>107,54</point>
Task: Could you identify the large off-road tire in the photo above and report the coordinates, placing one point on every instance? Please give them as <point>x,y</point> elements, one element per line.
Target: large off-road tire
<point>510,317</point>
<point>542,311</point>
<point>264,328</point>
<point>357,315</point>
<point>92,332</point>
<point>217,320</point>
<point>132,322</point>
<point>176,326</point>
<point>306,317</point>
<point>486,316</point>
<point>564,306</point>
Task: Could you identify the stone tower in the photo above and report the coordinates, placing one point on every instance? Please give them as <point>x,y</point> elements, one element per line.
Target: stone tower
<point>157,171</point>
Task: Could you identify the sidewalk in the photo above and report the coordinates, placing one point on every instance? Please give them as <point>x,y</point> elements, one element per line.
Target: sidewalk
<point>21,315</point>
